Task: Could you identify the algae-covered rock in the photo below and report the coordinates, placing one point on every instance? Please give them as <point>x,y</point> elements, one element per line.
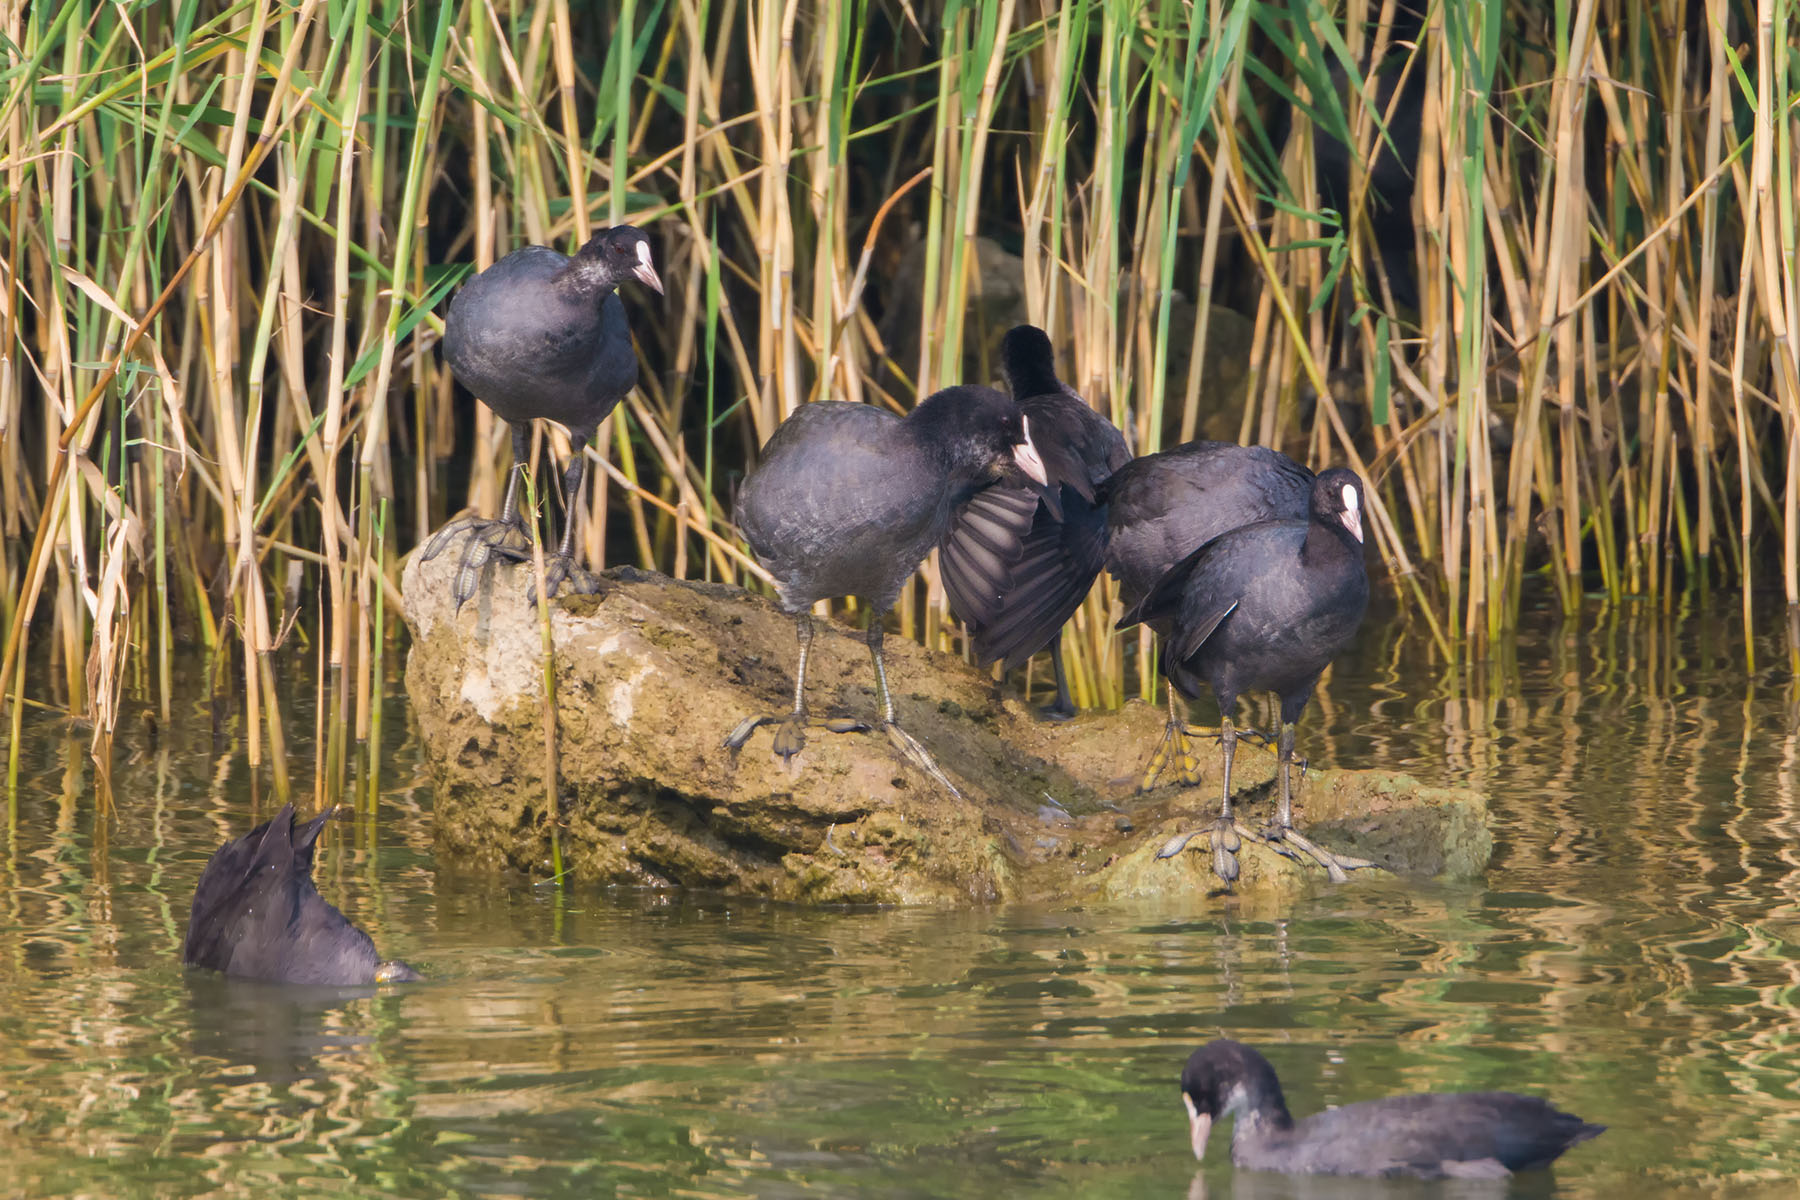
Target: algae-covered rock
<point>652,673</point>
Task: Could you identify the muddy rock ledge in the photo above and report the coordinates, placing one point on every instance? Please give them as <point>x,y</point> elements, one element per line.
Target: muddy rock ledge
<point>653,673</point>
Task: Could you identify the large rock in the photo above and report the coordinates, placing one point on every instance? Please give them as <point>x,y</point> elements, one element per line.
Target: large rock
<point>652,673</point>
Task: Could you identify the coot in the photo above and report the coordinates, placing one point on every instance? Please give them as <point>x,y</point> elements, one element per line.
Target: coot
<point>1162,507</point>
<point>1265,607</point>
<point>1018,562</point>
<point>538,335</point>
<point>847,501</point>
<point>1458,1135</point>
<point>256,913</point>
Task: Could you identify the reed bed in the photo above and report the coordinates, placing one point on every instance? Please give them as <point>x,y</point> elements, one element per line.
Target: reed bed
<point>231,227</point>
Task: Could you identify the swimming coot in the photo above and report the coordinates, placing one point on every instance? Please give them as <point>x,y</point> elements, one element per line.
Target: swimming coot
<point>847,501</point>
<point>257,914</point>
<point>1018,561</point>
<point>1162,507</point>
<point>1265,607</point>
<point>1457,1135</point>
<point>538,335</point>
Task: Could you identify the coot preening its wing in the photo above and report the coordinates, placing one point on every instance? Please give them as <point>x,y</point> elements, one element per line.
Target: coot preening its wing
<point>257,914</point>
<point>1017,562</point>
<point>1162,507</point>
<point>1265,607</point>
<point>847,501</point>
<point>1438,1135</point>
<point>538,335</point>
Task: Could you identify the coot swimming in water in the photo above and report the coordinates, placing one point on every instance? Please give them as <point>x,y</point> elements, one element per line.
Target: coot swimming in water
<point>256,913</point>
<point>847,501</point>
<point>1017,563</point>
<point>538,335</point>
<point>1265,607</point>
<point>1455,1135</point>
<point>1162,507</point>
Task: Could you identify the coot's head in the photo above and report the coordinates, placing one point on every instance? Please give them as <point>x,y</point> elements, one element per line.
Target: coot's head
<point>395,971</point>
<point>1025,345</point>
<point>1028,363</point>
<point>1337,496</point>
<point>1222,1077</point>
<point>614,255</point>
<point>979,432</point>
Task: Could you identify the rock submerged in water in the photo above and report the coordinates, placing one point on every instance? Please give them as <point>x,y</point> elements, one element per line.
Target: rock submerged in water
<point>651,675</point>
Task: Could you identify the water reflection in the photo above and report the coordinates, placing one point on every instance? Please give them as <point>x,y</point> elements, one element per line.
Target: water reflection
<point>273,1034</point>
<point>1631,955</point>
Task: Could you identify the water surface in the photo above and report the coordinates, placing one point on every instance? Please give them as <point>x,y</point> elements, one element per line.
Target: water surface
<point>1630,954</point>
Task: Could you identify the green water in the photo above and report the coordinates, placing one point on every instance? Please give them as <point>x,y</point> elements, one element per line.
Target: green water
<point>1630,954</point>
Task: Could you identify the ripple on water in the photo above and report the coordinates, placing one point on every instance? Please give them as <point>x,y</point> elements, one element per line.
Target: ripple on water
<point>1630,954</point>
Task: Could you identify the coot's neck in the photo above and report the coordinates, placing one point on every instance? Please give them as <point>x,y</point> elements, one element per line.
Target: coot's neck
<point>585,279</point>
<point>1260,1110</point>
<point>1326,538</point>
<point>1027,380</point>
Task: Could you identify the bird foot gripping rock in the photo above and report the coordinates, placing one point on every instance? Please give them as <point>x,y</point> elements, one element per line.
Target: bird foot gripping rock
<point>918,756</point>
<point>1336,866</point>
<point>484,541</point>
<point>561,573</point>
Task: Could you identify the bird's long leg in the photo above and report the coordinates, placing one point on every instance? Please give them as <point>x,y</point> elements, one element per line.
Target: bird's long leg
<point>873,636</point>
<point>790,736</point>
<point>504,537</point>
<point>571,488</point>
<point>521,440</point>
<point>1174,745</point>
<point>1227,836</point>
<point>562,567</point>
<point>1336,865</point>
<point>790,732</point>
<point>1063,707</point>
<point>803,628</point>
<point>1227,751</point>
<point>1225,839</point>
<point>904,742</point>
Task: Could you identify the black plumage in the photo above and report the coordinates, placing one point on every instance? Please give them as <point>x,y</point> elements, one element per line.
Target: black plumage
<point>1456,1135</point>
<point>257,914</point>
<point>542,336</point>
<point>1164,506</point>
<point>1265,607</point>
<point>847,501</point>
<point>1019,560</point>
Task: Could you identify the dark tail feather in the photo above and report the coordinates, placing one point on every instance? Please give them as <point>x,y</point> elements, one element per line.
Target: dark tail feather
<point>306,839</point>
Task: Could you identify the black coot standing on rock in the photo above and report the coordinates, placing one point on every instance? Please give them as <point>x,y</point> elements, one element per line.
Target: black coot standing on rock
<point>1456,1135</point>
<point>1162,507</point>
<point>539,335</point>
<point>1265,607</point>
<point>257,914</point>
<point>1017,562</point>
<point>849,499</point>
